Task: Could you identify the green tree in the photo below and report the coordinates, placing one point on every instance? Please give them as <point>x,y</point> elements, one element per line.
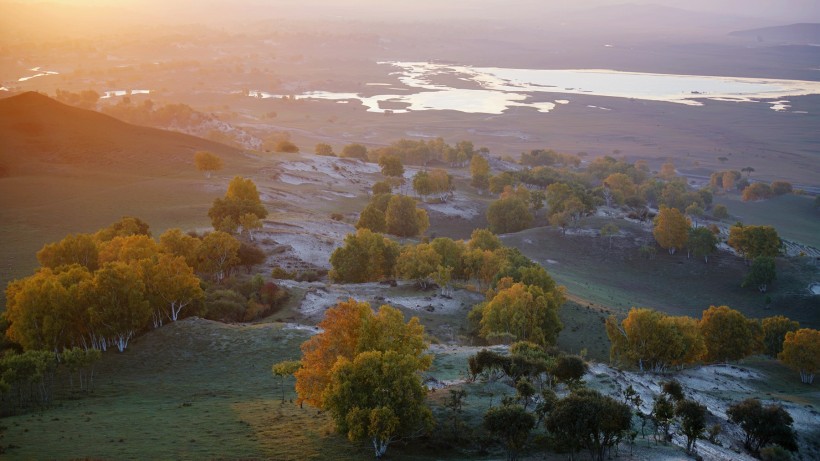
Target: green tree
<point>781,188</point>
<point>365,256</point>
<point>422,184</point>
<point>720,212</point>
<point>207,162</point>
<point>391,166</point>
<point>512,425</point>
<point>569,369</point>
<point>404,219</point>
<point>587,419</point>
<point>692,421</point>
<point>671,229</point>
<point>761,273</point>
<point>763,425</point>
<point>170,285</point>
<point>801,351</point>
<point>418,262</point>
<point>378,396</point>
<point>609,230</point>
<point>484,239</point>
<point>354,150</point>
<point>508,215</point>
<point>479,172</point>
<point>663,413</point>
<point>702,242</point>
<point>372,218</point>
<point>774,333</point>
<point>241,198</point>
<point>284,369</point>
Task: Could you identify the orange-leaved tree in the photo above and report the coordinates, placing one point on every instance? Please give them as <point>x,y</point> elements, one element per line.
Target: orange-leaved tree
<point>801,351</point>
<point>671,229</point>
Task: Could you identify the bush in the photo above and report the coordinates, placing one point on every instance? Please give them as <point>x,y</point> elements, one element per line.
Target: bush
<point>286,146</point>
<point>337,216</point>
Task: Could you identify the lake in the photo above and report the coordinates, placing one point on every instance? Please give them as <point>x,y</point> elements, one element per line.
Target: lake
<point>493,90</point>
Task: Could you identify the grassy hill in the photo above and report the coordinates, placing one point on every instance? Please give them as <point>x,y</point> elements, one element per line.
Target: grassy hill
<point>66,170</point>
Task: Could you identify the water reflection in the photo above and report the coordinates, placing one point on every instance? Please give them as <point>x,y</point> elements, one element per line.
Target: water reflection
<point>493,90</point>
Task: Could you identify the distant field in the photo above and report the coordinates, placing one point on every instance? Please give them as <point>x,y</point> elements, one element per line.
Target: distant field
<point>794,216</point>
<point>621,278</point>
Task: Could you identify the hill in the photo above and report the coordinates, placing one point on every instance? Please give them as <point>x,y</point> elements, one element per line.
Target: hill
<point>801,34</point>
<point>68,170</point>
<point>37,133</point>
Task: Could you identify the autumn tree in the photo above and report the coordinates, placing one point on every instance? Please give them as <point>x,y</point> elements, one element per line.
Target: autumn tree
<point>671,229</point>
<point>801,351</point>
<point>363,369</point>
<point>324,149</point>
<point>727,334</point>
<point>73,249</point>
<point>480,172</point>
<point>754,241</point>
<point>241,198</point>
<point>757,191</point>
<point>667,171</point>
<point>483,239</point>
<point>511,424</point>
<point>126,226</point>
<point>207,162</point>
<point>720,212</point>
<point>391,166</point>
<point>762,426</point>
<point>418,262</point>
<point>119,308</point>
<point>373,217</point>
<point>781,188</point>
<point>655,341</point>
<point>365,256</point>
<point>354,150</point>
<point>702,242</point>
<point>177,243</point>
<point>523,313</point>
<point>170,285</point>
<point>609,230</point>
<point>508,215</point>
<point>218,254</point>
<point>774,333</point>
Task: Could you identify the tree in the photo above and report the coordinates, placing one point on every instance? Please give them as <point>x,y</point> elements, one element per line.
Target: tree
<point>569,368</point>
<point>695,210</point>
<point>671,229</point>
<point>207,162</point>
<point>249,256</point>
<point>512,425</point>
<point>170,286</point>
<point>422,184</point>
<point>249,222</point>
<point>419,263</point>
<point>175,242</point>
<point>241,198</point>
<point>218,254</point>
<point>127,249</point>
<point>748,170</point>
<point>378,396</point>
<point>663,413</point>
<point>363,370</point>
<point>119,308</point>
<point>587,419</point>
<point>692,421</point>
<point>480,172</point>
<point>287,146</point>
<point>801,351</point>
<point>126,226</point>
<point>727,334</point>
<point>609,230</point>
<point>757,191</point>
<point>508,215</point>
<point>781,188</point>
<point>324,149</point>
<point>620,186</point>
<point>354,150</point>
<point>365,257</point>
<point>523,313</point>
<point>702,242</point>
<point>391,166</point>
<point>283,370</point>
<point>372,218</point>
<point>761,273</point>
<point>754,241</point>
<point>484,239</point>
<point>403,219</point>
<point>774,333</point>
<point>720,212</point>
<point>763,425</point>
<point>73,249</point>
<point>667,171</point>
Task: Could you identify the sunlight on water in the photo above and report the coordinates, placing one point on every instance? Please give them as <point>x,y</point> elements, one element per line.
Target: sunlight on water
<point>500,89</point>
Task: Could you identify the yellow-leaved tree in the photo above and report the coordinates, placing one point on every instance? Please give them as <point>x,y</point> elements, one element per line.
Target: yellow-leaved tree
<point>671,229</point>
<point>801,351</point>
<point>364,370</point>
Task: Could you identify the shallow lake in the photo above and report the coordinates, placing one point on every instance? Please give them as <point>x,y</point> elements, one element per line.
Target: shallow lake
<point>492,90</point>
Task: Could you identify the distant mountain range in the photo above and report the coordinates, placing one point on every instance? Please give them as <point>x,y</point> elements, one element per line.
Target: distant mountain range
<point>800,34</point>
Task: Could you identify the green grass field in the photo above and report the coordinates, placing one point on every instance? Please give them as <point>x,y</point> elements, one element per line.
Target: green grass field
<point>794,216</point>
